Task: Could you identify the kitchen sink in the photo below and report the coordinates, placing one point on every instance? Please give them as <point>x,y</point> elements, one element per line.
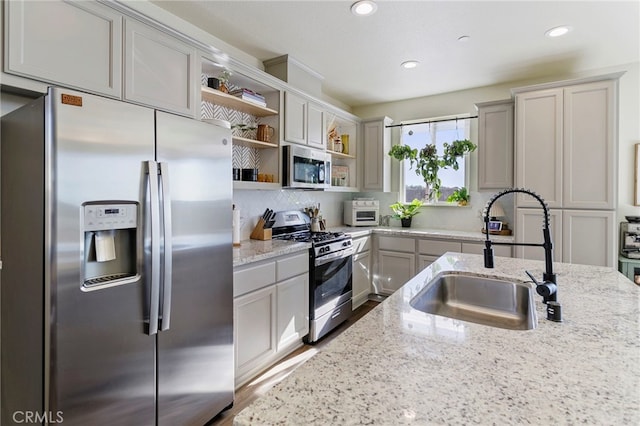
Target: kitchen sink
<point>487,301</point>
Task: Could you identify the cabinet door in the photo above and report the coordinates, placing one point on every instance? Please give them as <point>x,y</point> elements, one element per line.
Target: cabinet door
<point>315,126</point>
<point>361,278</point>
<point>394,270</point>
<point>588,237</point>
<point>254,330</point>
<point>293,310</point>
<point>74,44</point>
<point>295,118</point>
<point>495,145</point>
<point>160,71</point>
<point>589,174</point>
<point>425,260</point>
<point>478,248</point>
<point>529,230</point>
<point>376,163</point>
<point>438,247</point>
<point>539,146</point>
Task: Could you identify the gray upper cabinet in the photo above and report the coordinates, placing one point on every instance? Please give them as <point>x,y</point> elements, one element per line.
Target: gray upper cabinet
<point>160,70</point>
<point>566,145</point>
<point>72,44</point>
<point>376,163</point>
<point>295,118</point>
<point>303,121</point>
<point>495,144</point>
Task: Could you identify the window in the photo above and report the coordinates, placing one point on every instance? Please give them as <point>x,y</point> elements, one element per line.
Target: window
<point>436,132</point>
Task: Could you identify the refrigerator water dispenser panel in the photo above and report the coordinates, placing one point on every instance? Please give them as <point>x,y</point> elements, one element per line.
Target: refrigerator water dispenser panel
<point>110,244</point>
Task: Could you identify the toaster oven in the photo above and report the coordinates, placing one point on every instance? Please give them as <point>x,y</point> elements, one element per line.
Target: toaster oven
<point>361,212</point>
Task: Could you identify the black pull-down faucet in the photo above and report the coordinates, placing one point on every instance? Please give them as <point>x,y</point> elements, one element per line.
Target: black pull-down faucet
<point>548,288</point>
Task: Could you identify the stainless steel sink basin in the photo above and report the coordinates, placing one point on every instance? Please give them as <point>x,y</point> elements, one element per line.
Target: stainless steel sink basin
<point>481,300</point>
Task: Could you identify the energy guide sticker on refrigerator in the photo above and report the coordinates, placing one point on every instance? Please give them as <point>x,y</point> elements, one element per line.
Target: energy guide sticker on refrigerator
<point>117,297</point>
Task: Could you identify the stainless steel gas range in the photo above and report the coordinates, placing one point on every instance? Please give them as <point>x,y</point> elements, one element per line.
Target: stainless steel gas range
<point>330,270</point>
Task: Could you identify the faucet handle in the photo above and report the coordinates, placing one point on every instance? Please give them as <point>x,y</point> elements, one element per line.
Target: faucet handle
<point>545,289</point>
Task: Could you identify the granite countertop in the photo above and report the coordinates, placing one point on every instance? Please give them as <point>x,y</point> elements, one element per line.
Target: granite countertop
<point>255,250</point>
<point>443,234</point>
<point>399,366</point>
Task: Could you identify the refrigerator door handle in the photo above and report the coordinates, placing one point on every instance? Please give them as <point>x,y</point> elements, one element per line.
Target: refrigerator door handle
<point>167,265</point>
<point>152,172</point>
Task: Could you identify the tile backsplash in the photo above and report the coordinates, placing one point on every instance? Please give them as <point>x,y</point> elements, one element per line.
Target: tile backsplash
<point>253,203</point>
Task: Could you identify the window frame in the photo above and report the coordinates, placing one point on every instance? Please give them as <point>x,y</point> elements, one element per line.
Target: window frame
<point>465,122</point>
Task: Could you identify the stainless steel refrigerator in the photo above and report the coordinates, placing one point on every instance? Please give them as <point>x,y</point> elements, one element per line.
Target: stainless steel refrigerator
<point>116,287</point>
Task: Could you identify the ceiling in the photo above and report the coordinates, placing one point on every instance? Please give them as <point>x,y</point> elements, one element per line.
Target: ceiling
<point>359,57</point>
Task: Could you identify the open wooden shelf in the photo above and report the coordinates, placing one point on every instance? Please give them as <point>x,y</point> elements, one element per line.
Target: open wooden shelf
<point>239,184</point>
<point>224,99</point>
<point>333,188</point>
<point>341,155</point>
<point>252,143</point>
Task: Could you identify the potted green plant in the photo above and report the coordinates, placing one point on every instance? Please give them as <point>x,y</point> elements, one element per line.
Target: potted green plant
<point>460,196</point>
<point>223,78</point>
<point>427,162</point>
<point>405,212</point>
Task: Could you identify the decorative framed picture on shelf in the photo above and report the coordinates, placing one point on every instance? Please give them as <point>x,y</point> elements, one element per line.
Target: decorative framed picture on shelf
<point>495,226</point>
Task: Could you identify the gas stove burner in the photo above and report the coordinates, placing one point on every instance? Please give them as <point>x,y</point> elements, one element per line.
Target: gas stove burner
<point>295,226</point>
<point>317,237</point>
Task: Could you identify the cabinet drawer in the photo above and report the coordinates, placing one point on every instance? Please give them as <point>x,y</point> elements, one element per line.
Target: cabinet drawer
<point>362,244</point>
<point>438,248</point>
<point>292,266</point>
<point>478,248</point>
<point>397,244</point>
<point>252,278</point>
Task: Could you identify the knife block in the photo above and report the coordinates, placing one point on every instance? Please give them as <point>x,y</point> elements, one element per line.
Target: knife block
<point>259,232</point>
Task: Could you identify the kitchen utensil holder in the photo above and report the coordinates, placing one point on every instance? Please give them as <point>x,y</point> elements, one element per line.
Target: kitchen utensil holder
<point>259,232</point>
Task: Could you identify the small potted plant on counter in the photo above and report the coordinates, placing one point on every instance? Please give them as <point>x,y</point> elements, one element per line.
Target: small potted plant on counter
<point>460,196</point>
<point>405,212</point>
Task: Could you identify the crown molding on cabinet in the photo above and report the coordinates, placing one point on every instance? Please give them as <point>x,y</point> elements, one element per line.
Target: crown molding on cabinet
<point>569,82</point>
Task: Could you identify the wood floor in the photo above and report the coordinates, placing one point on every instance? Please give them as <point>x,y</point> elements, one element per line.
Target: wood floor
<point>272,376</point>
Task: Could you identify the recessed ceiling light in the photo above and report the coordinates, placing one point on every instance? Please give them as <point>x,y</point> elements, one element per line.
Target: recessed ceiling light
<point>364,7</point>
<point>409,64</point>
<point>464,38</point>
<point>557,31</point>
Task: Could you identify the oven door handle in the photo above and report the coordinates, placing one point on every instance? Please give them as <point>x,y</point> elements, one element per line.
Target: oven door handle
<point>334,256</point>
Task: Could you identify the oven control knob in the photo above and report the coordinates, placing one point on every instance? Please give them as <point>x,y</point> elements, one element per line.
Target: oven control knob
<point>346,243</point>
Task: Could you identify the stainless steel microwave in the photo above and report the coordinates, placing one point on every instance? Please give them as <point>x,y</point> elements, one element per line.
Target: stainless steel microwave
<point>304,168</point>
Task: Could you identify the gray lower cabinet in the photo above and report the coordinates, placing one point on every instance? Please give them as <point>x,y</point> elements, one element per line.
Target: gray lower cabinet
<point>271,312</point>
<point>396,263</point>
<point>398,259</point>
<point>478,248</point>
<point>75,44</point>
<point>429,250</point>
<point>579,236</point>
<point>361,278</point>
